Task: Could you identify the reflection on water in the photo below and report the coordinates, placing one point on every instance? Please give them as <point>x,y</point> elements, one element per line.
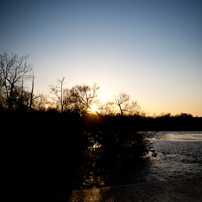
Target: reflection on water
<point>178,155</point>
<point>179,136</point>
<point>92,195</point>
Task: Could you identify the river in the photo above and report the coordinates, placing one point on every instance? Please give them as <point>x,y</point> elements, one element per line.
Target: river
<point>175,155</point>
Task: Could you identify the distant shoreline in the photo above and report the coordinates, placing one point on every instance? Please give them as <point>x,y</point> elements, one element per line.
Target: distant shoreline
<point>138,123</point>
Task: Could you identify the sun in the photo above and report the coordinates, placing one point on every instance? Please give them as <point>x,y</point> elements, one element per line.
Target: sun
<point>93,108</point>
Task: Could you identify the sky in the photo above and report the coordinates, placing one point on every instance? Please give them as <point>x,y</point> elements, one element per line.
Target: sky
<point>150,49</point>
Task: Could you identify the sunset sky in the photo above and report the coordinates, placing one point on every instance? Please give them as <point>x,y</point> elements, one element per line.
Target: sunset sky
<point>150,49</point>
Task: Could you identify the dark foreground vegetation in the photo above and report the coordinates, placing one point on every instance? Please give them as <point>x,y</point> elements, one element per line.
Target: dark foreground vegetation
<point>59,143</point>
<point>53,152</point>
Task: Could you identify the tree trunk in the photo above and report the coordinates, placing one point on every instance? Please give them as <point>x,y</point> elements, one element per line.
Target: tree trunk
<point>31,96</point>
<point>121,109</point>
<point>61,98</point>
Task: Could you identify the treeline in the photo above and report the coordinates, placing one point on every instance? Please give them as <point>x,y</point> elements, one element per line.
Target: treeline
<point>16,74</point>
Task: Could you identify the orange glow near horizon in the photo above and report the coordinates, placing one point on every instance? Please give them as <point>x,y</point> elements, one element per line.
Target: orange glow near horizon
<point>94,108</point>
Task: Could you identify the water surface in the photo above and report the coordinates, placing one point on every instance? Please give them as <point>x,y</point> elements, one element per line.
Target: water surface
<point>179,155</point>
<point>175,155</point>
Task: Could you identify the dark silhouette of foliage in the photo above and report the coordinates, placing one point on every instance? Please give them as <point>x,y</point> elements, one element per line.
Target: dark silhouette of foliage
<point>82,97</point>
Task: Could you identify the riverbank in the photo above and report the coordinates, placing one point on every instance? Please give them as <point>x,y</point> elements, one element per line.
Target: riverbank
<point>186,190</point>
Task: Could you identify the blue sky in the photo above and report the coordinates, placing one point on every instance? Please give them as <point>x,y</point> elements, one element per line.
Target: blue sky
<point>150,49</point>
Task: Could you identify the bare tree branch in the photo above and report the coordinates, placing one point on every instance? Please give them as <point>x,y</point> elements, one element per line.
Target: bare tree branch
<point>122,101</point>
<point>83,96</point>
<point>58,92</point>
<point>13,69</point>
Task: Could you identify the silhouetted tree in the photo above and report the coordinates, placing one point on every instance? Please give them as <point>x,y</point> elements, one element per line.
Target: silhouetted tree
<point>14,70</point>
<point>185,115</point>
<point>22,99</point>
<point>31,94</point>
<point>82,97</point>
<point>122,101</point>
<point>40,102</point>
<point>107,108</point>
<point>58,92</point>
